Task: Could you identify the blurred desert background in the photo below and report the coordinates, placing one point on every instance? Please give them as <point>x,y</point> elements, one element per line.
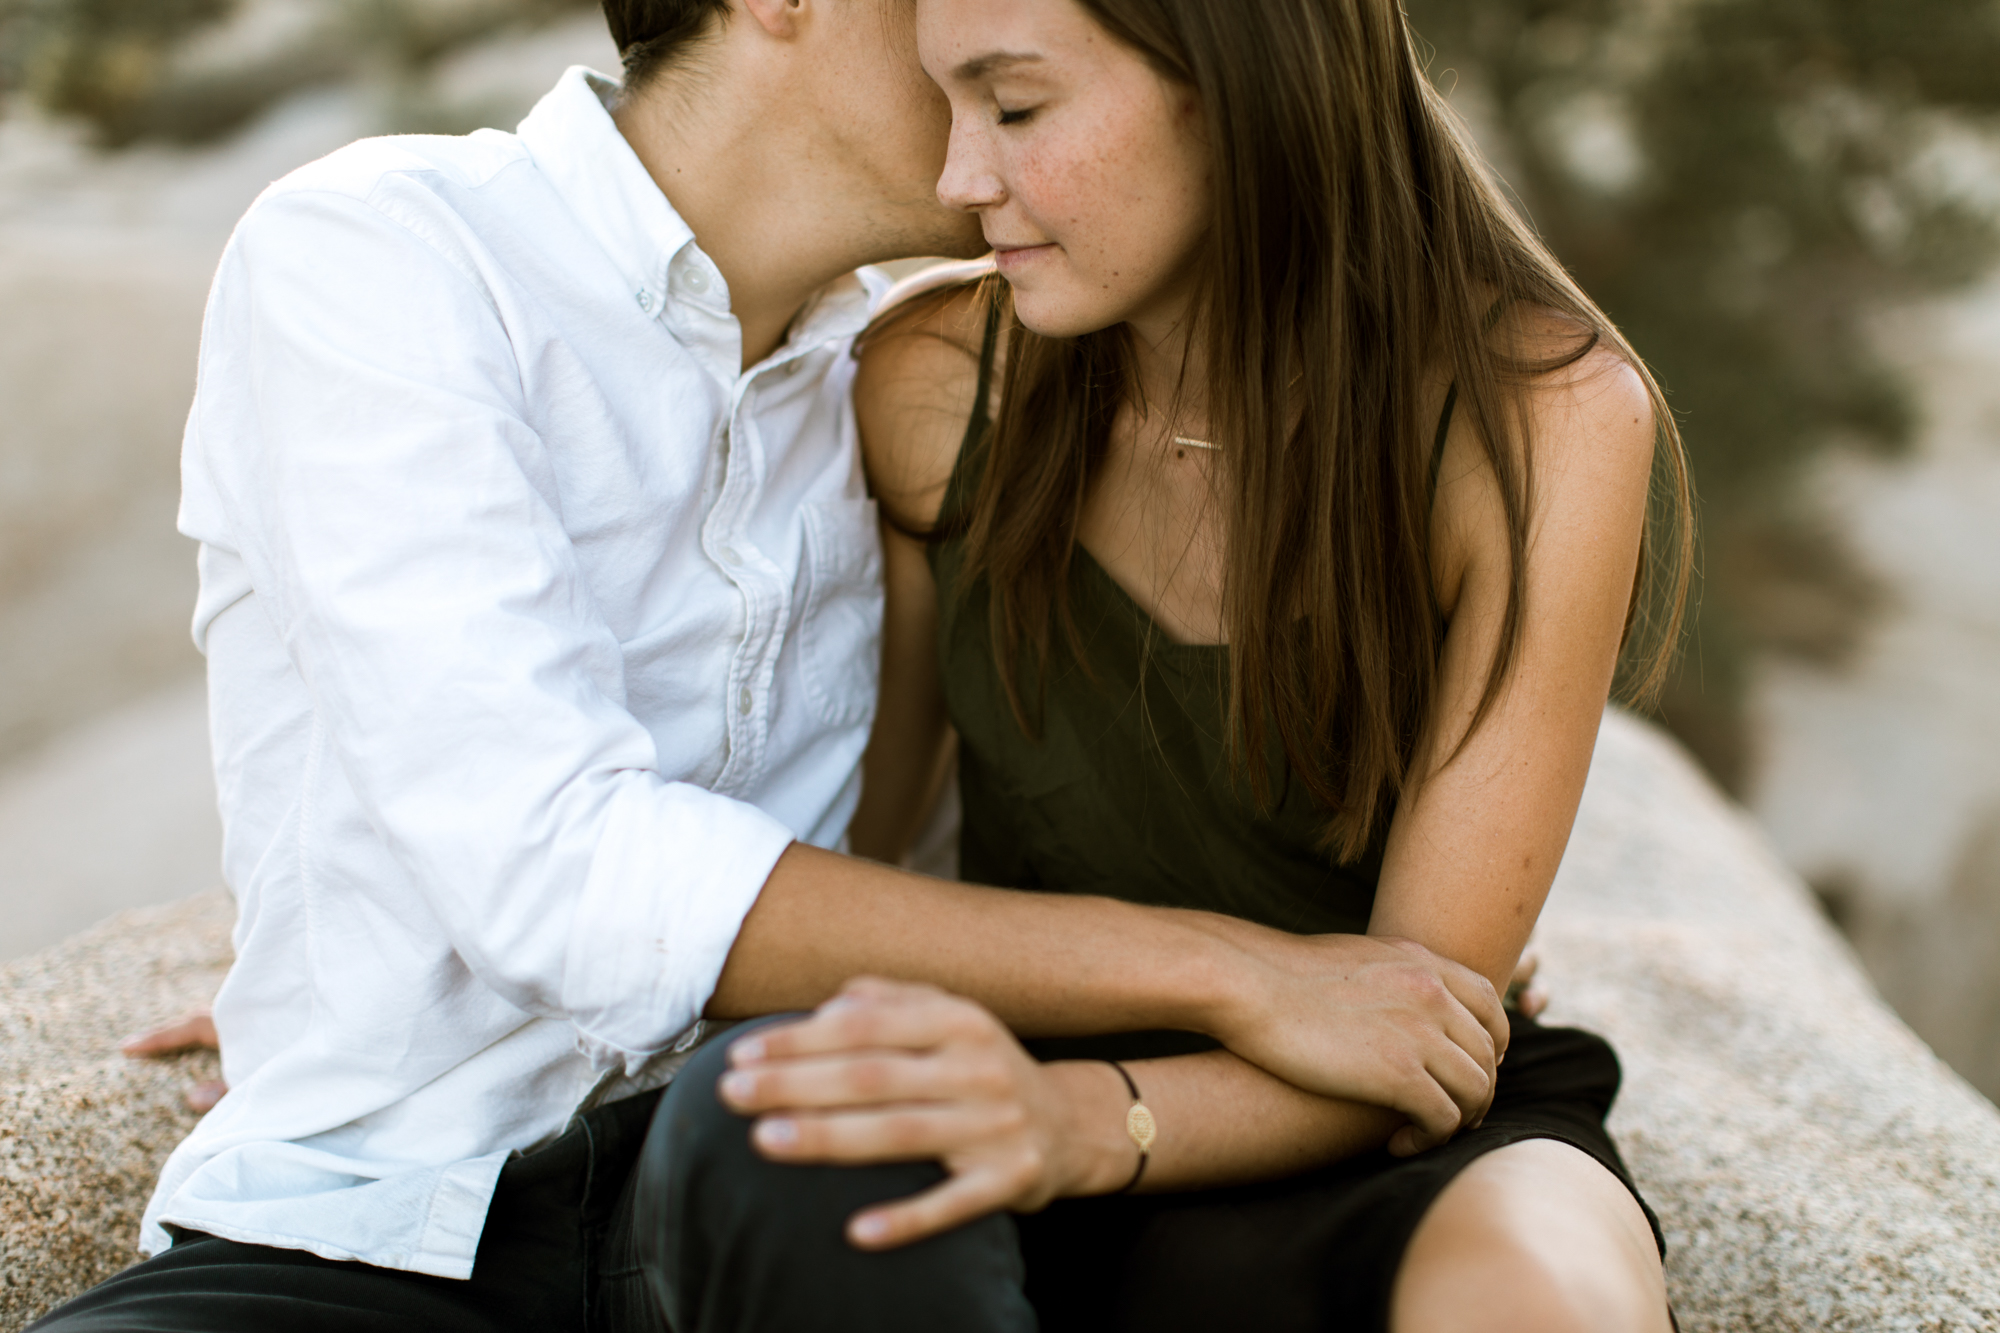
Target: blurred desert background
<point>1791,206</point>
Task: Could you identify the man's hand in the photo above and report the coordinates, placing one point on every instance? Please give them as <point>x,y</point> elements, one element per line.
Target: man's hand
<point>194,1030</point>
<point>1370,1019</point>
<point>888,1072</point>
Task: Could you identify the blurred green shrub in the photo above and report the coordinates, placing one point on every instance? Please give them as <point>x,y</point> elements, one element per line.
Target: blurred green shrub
<point>190,70</point>
<point>1741,184</point>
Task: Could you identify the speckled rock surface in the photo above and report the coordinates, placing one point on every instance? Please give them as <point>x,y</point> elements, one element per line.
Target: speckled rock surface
<point>1815,1167</point>
<point>83,1130</point>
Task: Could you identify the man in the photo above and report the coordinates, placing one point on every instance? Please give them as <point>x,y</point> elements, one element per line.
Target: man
<point>539,589</point>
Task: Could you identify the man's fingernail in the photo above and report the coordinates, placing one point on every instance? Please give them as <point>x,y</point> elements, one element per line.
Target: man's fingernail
<point>777,1133</point>
<point>737,1087</point>
<point>871,1228</point>
<point>750,1048</point>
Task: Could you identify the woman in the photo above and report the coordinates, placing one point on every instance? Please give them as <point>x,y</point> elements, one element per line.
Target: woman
<point>1270,541</point>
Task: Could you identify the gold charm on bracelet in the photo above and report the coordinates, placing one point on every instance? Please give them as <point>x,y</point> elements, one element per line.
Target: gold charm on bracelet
<point>1140,1125</point>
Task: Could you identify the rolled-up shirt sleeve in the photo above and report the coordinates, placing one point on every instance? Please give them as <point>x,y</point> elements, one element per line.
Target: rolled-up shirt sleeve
<point>399,519</point>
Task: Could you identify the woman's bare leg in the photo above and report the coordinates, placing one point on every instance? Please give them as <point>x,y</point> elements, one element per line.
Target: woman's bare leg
<point>1535,1237</point>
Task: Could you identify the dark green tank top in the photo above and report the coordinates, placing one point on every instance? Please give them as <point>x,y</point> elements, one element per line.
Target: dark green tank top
<point>1128,790</point>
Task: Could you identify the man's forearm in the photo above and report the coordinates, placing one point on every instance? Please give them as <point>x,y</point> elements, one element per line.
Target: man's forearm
<point>1047,964</point>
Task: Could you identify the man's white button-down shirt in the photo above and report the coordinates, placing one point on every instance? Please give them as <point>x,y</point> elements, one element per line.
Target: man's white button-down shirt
<point>537,629</point>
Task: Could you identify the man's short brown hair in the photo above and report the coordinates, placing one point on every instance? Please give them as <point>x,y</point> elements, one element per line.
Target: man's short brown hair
<point>650,32</point>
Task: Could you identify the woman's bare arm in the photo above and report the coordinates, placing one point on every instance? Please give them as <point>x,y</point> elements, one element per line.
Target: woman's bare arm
<point>1474,847</point>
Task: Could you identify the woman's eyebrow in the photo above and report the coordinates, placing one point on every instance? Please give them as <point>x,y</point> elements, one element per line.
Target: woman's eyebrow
<point>980,66</point>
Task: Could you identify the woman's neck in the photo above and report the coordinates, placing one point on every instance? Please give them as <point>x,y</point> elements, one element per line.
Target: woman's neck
<point>1169,377</point>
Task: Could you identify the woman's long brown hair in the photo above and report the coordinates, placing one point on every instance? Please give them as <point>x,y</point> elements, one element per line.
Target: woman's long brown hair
<point>1357,246</point>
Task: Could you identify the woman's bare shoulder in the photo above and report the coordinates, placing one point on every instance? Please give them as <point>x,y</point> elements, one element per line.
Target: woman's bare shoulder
<point>1590,441</point>
<point>916,386</point>
<point>1591,398</point>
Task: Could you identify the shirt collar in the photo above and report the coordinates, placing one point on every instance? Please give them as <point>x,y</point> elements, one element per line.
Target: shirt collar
<point>577,146</point>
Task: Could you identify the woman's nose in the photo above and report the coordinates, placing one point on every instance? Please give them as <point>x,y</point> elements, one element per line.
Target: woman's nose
<point>968,182</point>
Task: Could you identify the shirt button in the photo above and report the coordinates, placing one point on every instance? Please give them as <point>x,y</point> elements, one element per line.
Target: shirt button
<point>645,299</point>
<point>729,556</point>
<point>743,700</point>
<point>697,281</point>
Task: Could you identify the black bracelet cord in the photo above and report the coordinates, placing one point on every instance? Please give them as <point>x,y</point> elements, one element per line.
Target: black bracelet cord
<point>1145,1152</point>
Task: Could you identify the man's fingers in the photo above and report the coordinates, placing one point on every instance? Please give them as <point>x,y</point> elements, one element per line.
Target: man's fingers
<point>1431,1109</point>
<point>1409,1141</point>
<point>1476,993</point>
<point>1472,991</point>
<point>188,1032</point>
<point>1464,1080</point>
<point>953,1203</point>
<point>202,1097</point>
<point>1469,1035</point>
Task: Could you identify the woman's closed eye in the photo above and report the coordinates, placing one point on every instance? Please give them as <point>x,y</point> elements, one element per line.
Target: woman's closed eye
<point>1015,117</point>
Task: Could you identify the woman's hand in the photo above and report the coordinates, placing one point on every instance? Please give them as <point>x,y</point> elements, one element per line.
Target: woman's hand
<point>887,1072</point>
<point>1525,995</point>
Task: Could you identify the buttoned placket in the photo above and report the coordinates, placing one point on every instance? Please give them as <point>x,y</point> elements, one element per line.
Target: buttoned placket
<point>696,309</point>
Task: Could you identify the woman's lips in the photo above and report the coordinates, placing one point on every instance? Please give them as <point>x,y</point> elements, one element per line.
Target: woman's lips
<point>1009,258</point>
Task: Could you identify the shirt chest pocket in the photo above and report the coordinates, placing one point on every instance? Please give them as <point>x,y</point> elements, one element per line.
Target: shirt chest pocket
<point>840,625</point>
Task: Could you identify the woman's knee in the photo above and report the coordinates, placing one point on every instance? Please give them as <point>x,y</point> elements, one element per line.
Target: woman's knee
<point>1536,1236</point>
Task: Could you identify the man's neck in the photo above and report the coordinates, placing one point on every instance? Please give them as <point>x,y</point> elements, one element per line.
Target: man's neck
<point>777,229</point>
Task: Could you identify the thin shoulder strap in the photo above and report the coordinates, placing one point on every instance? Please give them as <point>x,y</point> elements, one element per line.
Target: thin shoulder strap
<point>1493,314</point>
<point>971,446</point>
<point>1443,434</point>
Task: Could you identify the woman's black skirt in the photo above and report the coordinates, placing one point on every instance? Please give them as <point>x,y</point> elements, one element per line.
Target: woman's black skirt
<point>1315,1252</point>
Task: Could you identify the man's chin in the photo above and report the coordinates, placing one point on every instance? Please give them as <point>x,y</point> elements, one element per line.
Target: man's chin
<point>940,236</point>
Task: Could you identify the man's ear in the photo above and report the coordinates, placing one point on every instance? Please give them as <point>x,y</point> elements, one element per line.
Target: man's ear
<point>780,18</point>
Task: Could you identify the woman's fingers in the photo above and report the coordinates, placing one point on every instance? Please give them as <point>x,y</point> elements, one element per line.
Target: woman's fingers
<point>954,1202</point>
<point>865,1078</point>
<point>868,1013</point>
<point>1524,995</point>
<point>903,1133</point>
<point>887,1072</point>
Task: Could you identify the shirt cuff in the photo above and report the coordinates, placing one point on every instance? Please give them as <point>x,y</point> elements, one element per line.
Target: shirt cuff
<point>665,901</point>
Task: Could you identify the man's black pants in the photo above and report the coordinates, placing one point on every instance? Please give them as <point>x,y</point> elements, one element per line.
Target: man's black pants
<point>646,1214</point>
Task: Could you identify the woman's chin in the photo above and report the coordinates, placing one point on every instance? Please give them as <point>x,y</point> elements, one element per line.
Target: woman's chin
<point>1053,314</point>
